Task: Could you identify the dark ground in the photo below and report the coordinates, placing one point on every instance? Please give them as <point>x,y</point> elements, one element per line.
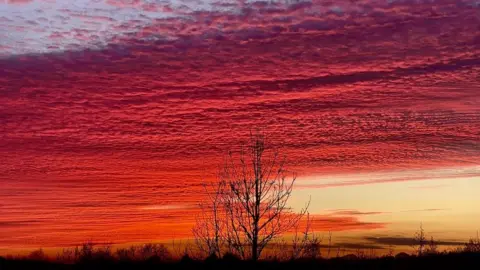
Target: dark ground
<point>444,261</point>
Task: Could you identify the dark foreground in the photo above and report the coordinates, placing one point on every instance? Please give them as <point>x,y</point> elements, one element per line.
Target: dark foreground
<point>438,262</point>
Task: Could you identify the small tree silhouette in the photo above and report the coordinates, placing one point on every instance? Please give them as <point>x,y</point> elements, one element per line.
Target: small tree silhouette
<point>432,247</point>
<point>419,241</point>
<point>305,244</point>
<point>211,221</point>
<point>86,251</point>
<point>473,245</point>
<point>329,243</point>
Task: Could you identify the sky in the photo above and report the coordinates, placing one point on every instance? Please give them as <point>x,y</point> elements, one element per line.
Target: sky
<point>112,114</point>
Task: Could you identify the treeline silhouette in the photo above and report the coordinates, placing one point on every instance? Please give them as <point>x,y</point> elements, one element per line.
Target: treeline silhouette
<point>150,256</point>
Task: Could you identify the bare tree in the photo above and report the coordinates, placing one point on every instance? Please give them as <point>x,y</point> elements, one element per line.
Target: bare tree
<point>419,241</point>
<point>329,243</point>
<point>473,245</point>
<point>391,251</point>
<point>249,202</point>
<point>432,247</point>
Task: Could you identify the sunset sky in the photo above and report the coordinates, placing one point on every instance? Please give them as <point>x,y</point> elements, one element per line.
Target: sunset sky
<point>112,114</point>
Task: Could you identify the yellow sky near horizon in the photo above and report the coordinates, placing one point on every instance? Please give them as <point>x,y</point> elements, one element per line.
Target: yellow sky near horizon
<point>445,201</point>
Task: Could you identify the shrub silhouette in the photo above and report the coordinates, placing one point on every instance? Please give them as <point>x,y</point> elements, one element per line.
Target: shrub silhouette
<point>186,259</point>
<point>402,255</point>
<point>230,257</point>
<point>211,258</point>
<point>37,255</point>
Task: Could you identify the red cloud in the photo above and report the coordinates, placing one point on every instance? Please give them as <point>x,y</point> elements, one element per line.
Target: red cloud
<point>345,212</point>
<point>324,223</point>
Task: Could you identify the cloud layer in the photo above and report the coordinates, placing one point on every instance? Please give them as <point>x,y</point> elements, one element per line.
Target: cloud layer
<point>121,105</point>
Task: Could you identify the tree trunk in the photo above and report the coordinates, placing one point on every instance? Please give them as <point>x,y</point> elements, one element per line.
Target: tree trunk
<point>256,212</point>
<point>254,250</point>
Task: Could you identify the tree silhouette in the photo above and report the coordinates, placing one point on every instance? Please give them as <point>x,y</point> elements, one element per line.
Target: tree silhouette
<point>419,241</point>
<point>248,208</point>
<point>473,245</point>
